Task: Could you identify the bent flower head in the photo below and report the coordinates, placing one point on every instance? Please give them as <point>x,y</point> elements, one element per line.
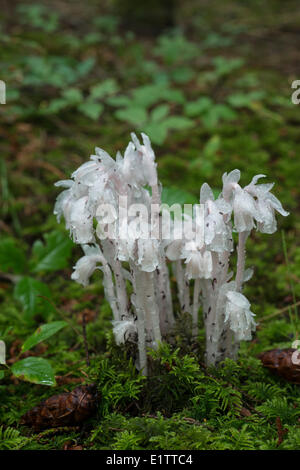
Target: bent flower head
<point>86,265</point>
<point>239,315</point>
<point>266,204</point>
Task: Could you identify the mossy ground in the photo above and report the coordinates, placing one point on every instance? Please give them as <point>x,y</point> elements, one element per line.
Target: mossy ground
<point>182,406</point>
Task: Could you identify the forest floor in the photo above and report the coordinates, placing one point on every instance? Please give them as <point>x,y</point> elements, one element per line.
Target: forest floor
<point>220,81</point>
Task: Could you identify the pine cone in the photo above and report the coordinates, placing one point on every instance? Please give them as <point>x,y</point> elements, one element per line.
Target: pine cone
<point>280,362</point>
<point>65,409</point>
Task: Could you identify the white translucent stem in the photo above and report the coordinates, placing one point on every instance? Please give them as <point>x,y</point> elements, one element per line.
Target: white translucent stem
<point>164,297</point>
<point>109,250</point>
<point>141,324</point>
<point>209,307</point>
<point>155,200</point>
<point>109,288</point>
<point>178,271</point>
<point>186,293</point>
<point>165,303</point>
<point>196,304</point>
<point>150,304</point>
<point>225,340</point>
<point>160,300</point>
<point>216,331</point>
<point>241,256</point>
<point>121,289</point>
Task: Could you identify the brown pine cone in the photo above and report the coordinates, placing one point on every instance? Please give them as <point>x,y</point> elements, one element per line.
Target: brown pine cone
<point>280,362</point>
<point>65,409</point>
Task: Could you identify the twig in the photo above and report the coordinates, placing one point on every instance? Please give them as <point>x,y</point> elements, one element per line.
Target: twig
<point>60,313</point>
<point>186,419</point>
<point>280,431</point>
<point>279,312</point>
<point>66,319</point>
<point>59,430</point>
<point>10,277</point>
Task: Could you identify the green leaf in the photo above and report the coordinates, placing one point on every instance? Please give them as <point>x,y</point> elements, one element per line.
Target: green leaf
<point>178,122</point>
<point>211,147</point>
<point>159,112</point>
<point>34,369</point>
<point>85,66</point>
<point>156,131</point>
<point>27,291</point>
<point>135,116</point>
<point>225,112</point>
<point>175,48</point>
<point>55,106</point>
<point>53,254</point>
<point>42,333</point>
<point>182,74</point>
<point>217,113</point>
<point>1,374</point>
<point>147,95</point>
<point>198,107</point>
<point>225,66</point>
<point>119,101</point>
<point>174,96</point>
<point>107,23</point>
<point>91,109</point>
<point>239,100</point>
<point>73,96</point>
<point>108,87</point>
<point>12,258</point>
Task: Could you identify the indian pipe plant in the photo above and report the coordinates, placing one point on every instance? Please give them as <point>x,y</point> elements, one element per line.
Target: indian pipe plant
<point>112,208</point>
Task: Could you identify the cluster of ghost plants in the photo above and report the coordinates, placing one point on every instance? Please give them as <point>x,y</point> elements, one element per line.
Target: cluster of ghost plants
<point>112,208</point>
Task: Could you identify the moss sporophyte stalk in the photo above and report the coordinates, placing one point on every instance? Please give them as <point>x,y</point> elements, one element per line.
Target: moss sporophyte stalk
<point>112,208</point>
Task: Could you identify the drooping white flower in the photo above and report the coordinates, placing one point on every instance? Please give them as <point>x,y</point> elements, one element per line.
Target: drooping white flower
<point>100,192</point>
<point>198,263</point>
<point>104,158</point>
<point>248,274</point>
<point>267,207</point>
<point>124,330</point>
<point>266,204</point>
<point>206,194</point>
<point>89,171</point>
<point>148,158</point>
<point>64,201</point>
<point>258,189</point>
<point>217,233</point>
<point>131,167</point>
<point>239,315</point>
<point>245,210</point>
<point>229,180</point>
<point>86,265</point>
<point>81,222</point>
